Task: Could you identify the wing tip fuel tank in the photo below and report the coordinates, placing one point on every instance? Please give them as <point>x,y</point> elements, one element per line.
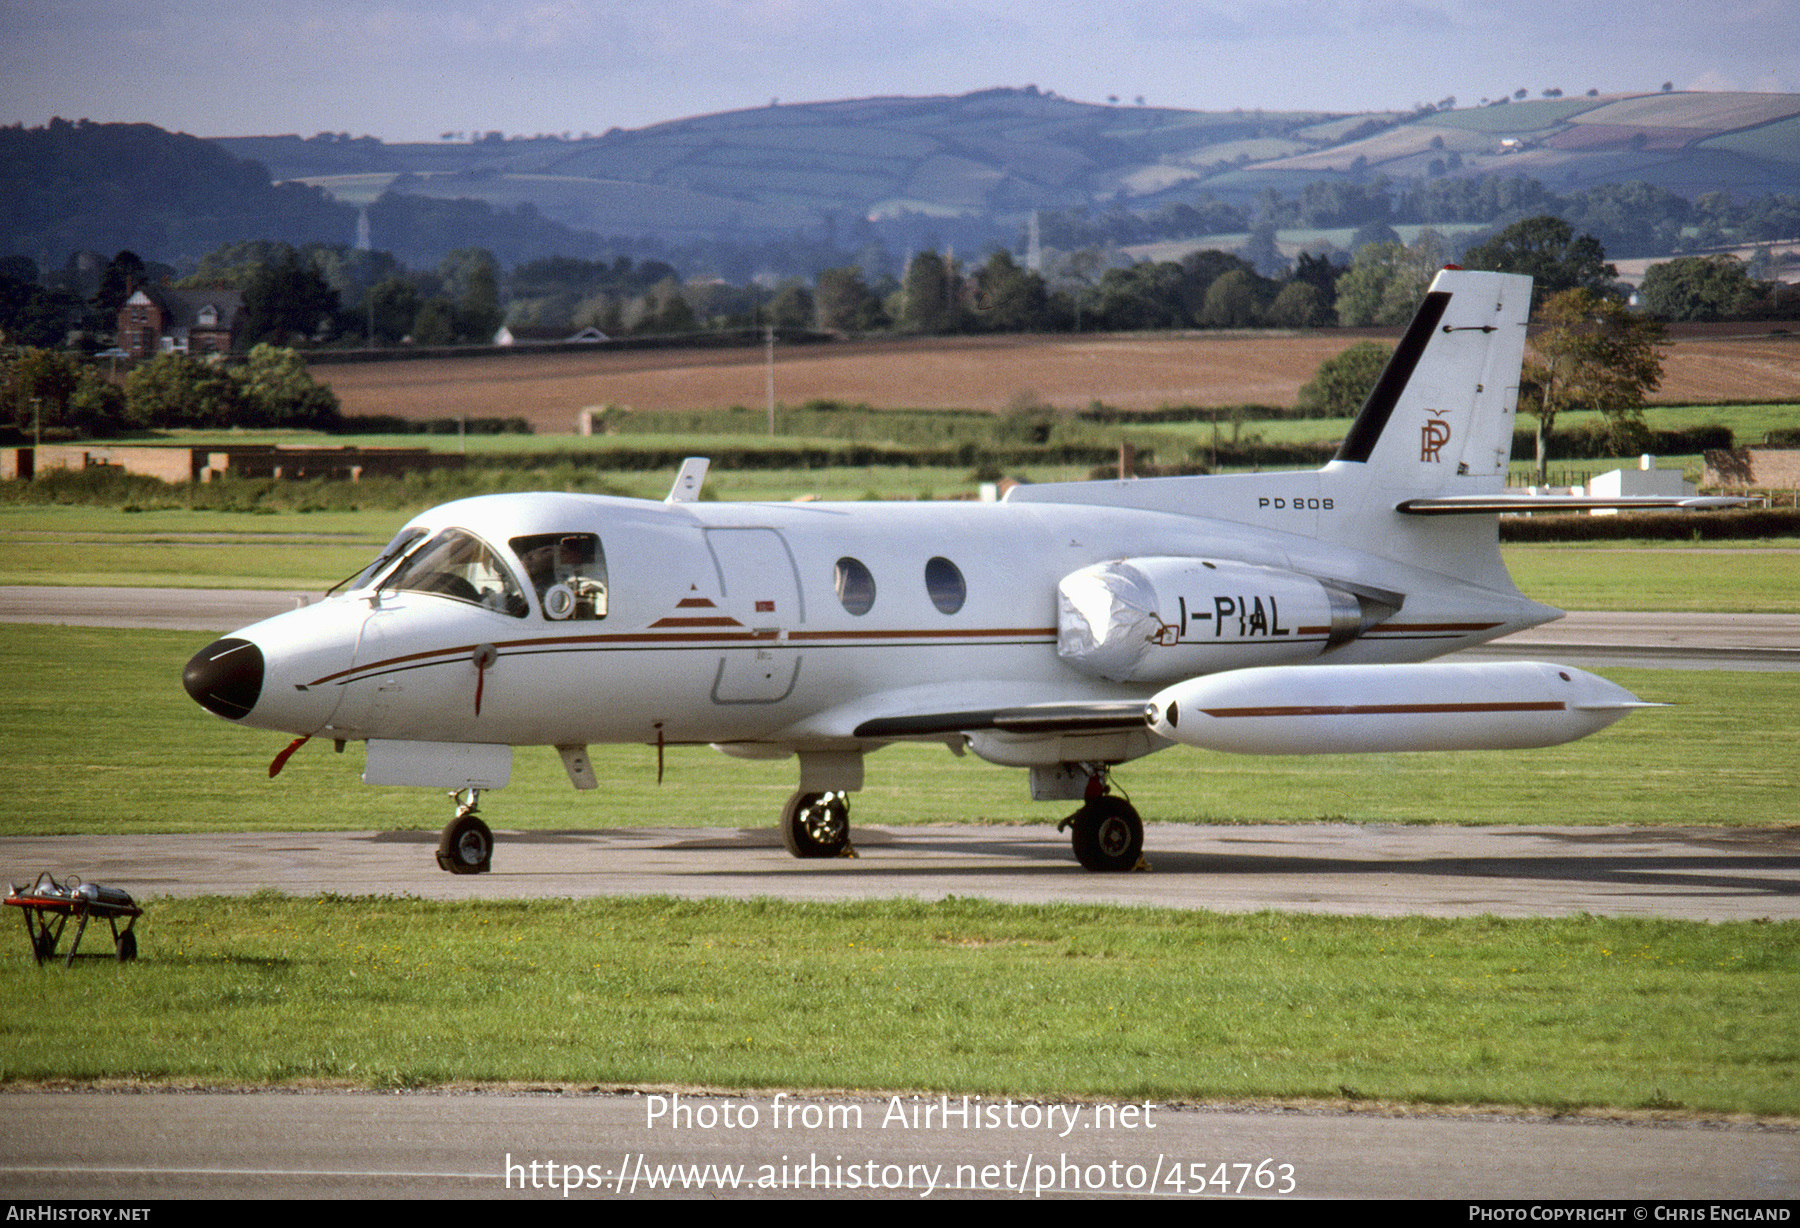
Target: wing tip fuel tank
<point>1363,709</point>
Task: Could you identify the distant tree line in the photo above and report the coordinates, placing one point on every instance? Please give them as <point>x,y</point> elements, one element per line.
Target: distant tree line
<point>1630,219</point>
<point>58,395</point>
<point>337,296</point>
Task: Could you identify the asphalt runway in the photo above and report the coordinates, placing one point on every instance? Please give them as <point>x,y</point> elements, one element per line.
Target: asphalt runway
<point>96,1145</point>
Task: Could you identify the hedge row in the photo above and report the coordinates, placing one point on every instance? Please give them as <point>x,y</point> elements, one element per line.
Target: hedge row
<point>1741,525</point>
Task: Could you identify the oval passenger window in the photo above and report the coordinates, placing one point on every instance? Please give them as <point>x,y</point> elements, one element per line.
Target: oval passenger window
<point>944,582</point>
<point>855,586</point>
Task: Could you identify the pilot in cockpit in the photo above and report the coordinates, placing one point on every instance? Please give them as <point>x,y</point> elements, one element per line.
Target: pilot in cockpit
<point>568,572</point>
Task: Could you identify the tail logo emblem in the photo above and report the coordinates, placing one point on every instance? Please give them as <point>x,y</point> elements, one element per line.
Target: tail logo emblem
<point>1432,438</point>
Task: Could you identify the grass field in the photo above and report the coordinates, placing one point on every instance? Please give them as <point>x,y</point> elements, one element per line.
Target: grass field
<point>957,996</point>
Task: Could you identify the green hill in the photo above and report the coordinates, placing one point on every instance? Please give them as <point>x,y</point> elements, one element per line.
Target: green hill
<point>997,154</point>
<point>895,172</point>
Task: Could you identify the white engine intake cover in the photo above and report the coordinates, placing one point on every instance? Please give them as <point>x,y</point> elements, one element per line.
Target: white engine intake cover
<point>1159,619</point>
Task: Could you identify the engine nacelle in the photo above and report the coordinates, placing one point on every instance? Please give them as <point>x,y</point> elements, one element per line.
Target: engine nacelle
<point>1160,619</point>
<point>1359,709</point>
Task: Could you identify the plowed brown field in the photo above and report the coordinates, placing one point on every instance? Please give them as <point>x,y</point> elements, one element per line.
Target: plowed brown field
<point>1128,371</point>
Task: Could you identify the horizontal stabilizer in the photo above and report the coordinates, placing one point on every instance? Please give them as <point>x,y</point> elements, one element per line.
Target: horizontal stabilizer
<point>1471,505</point>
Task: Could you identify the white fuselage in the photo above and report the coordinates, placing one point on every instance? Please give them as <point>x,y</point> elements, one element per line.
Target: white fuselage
<point>723,623</point>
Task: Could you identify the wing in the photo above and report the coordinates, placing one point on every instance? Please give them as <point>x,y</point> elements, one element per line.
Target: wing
<point>1109,716</point>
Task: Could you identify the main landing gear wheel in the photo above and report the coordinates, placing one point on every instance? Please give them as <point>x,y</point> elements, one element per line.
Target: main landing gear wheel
<point>816,824</point>
<point>1108,834</point>
<point>467,846</point>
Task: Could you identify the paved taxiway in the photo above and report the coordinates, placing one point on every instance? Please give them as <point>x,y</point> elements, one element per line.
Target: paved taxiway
<point>284,1144</point>
<point>458,1145</point>
<point>1703,874</point>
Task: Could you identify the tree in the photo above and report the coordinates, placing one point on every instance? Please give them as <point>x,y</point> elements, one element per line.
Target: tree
<point>1593,353</point>
<point>40,384</point>
<point>1697,288</point>
<point>1260,250</point>
<point>667,310</point>
<point>286,299</point>
<point>435,325</point>
<point>1300,304</point>
<point>472,277</point>
<point>178,391</point>
<point>97,406</point>
<point>1143,295</point>
<point>1008,298</point>
<point>1387,282</point>
<point>1074,276</point>
<point>792,306</point>
<point>1373,232</point>
<point>1343,381</point>
<point>125,272</point>
<point>389,309</point>
<point>1548,250</point>
<point>31,314</point>
<point>1234,300</point>
<point>844,301</point>
<point>928,304</point>
<point>278,390</point>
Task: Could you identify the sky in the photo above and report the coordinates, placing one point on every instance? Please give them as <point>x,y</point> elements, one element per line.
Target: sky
<point>413,70</point>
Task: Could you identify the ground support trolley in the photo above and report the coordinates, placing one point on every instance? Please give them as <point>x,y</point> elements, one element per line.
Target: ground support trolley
<point>47,906</point>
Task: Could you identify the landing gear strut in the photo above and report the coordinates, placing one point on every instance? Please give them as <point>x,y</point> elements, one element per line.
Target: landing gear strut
<point>1108,834</point>
<point>467,846</point>
<point>817,825</point>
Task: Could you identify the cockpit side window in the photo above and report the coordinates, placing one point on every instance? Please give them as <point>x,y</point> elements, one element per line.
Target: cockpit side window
<point>462,567</point>
<point>568,570</point>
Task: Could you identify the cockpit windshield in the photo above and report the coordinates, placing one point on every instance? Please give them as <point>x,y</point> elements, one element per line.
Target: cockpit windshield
<point>568,570</point>
<point>462,567</point>
<point>403,541</point>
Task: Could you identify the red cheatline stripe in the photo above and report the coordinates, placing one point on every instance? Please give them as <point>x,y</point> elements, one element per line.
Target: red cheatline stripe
<point>941,634</point>
<point>666,639</point>
<point>1384,709</point>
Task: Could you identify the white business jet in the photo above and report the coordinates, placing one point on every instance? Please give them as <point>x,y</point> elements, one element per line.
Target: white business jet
<point>1065,629</point>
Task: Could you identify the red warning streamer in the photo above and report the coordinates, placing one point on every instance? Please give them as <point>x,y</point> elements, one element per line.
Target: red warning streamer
<point>280,761</point>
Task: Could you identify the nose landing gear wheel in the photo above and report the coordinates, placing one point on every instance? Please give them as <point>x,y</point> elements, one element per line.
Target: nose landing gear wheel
<point>816,824</point>
<point>1108,835</point>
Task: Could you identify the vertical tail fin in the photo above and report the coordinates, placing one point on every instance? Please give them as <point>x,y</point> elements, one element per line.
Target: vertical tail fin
<point>1440,418</point>
<point>1439,422</point>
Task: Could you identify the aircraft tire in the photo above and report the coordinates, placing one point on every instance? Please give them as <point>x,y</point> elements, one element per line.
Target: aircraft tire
<point>467,846</point>
<point>1108,835</point>
<point>126,948</point>
<point>816,824</point>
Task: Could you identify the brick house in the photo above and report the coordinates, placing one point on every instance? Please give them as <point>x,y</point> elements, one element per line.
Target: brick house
<point>164,321</point>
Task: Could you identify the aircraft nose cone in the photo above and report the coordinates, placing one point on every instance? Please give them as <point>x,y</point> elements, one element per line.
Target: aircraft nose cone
<point>226,677</point>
